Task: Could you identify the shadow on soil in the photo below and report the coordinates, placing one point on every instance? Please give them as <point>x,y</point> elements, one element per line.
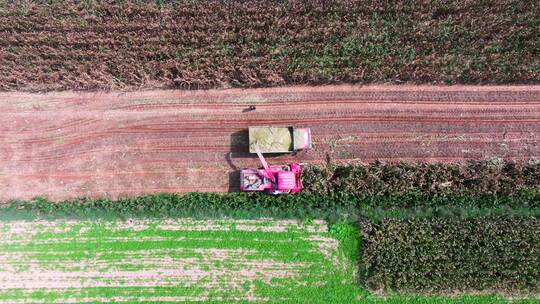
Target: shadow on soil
<point>239,149</point>
<point>239,144</point>
<point>234,181</point>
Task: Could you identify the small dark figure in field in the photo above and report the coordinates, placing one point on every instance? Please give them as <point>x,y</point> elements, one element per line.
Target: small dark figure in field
<point>250,109</point>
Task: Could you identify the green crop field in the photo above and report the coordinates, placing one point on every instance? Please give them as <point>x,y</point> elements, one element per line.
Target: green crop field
<point>188,260</point>
<point>171,260</point>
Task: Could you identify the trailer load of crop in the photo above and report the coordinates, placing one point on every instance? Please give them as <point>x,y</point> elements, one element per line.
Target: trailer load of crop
<point>279,139</point>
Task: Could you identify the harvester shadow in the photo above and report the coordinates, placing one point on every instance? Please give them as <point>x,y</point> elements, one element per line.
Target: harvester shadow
<point>234,181</point>
<point>239,148</point>
<point>239,145</point>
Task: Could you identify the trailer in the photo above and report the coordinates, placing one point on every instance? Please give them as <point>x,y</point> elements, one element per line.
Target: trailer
<point>276,139</point>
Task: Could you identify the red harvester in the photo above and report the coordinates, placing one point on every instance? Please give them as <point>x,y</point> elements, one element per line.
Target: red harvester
<point>272,179</point>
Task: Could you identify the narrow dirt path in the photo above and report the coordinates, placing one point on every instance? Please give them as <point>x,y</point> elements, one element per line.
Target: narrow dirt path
<point>66,145</point>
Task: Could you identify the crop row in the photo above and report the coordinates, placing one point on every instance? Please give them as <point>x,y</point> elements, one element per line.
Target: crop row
<point>56,45</point>
<point>332,207</point>
<point>473,177</point>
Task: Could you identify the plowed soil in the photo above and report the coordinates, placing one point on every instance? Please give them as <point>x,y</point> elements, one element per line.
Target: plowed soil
<point>66,145</point>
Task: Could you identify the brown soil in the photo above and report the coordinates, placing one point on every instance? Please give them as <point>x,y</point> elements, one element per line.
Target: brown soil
<point>66,145</point>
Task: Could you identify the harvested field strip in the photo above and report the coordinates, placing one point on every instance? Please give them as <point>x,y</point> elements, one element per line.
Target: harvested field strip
<point>168,260</point>
<point>179,141</point>
<point>201,44</point>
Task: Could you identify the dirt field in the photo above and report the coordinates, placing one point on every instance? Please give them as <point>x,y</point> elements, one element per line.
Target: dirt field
<point>66,145</point>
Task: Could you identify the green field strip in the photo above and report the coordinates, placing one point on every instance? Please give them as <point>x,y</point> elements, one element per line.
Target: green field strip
<point>27,228</point>
<point>287,251</point>
<point>111,243</point>
<point>113,292</point>
<point>223,256</point>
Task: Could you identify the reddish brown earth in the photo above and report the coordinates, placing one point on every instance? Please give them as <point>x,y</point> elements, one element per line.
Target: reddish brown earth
<point>66,145</point>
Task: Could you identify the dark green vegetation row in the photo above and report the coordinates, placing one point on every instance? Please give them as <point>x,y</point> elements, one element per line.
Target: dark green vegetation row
<point>57,45</point>
<point>500,254</point>
<point>332,207</point>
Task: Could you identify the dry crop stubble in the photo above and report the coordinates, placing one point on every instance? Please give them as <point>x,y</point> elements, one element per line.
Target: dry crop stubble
<point>215,44</point>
